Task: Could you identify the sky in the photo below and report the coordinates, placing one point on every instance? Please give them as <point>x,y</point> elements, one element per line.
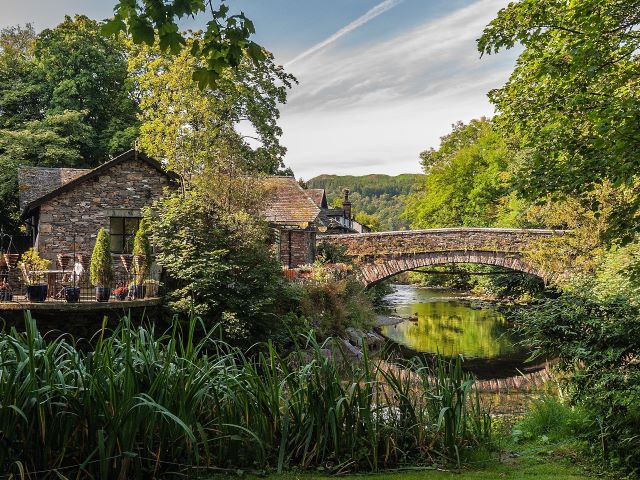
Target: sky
<point>379,80</point>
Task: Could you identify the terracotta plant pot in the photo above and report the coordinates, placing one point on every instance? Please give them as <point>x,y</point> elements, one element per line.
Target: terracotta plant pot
<point>11,259</point>
<point>37,293</point>
<point>103,294</point>
<point>63,261</point>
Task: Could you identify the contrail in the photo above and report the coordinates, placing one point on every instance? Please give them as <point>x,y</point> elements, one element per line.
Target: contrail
<point>370,15</point>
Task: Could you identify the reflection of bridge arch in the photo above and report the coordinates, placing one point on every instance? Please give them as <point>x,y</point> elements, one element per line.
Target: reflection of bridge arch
<point>384,254</point>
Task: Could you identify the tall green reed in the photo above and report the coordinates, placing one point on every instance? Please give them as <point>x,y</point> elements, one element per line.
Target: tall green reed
<point>143,404</point>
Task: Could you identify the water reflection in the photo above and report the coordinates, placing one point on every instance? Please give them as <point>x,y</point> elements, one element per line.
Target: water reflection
<point>449,326</point>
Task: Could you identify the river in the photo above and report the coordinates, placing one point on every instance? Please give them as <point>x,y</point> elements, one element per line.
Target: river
<point>445,323</point>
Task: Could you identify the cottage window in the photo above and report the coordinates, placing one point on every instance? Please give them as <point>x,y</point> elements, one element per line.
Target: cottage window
<point>122,230</point>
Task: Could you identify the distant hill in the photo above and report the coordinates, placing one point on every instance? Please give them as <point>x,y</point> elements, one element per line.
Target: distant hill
<point>379,195</point>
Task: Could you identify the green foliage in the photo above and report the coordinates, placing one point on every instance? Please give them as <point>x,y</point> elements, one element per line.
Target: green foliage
<point>380,196</point>
<point>193,128</point>
<point>101,268</point>
<point>65,101</point>
<point>224,44</point>
<point>218,263</point>
<point>597,343</point>
<point>572,98</point>
<point>466,182</point>
<point>143,404</point>
<point>142,249</point>
<point>330,253</point>
<point>370,221</point>
<point>334,306</point>
<point>550,419</point>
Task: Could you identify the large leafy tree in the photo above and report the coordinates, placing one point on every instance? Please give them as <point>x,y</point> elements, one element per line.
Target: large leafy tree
<point>574,96</point>
<point>225,44</point>
<point>232,126</point>
<point>65,101</point>
<point>467,181</point>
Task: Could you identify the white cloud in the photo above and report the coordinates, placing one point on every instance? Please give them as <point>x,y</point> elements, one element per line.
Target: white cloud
<point>373,109</point>
<point>358,22</point>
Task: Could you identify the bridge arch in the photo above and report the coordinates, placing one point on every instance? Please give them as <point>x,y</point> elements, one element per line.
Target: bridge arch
<point>384,254</point>
<point>371,273</point>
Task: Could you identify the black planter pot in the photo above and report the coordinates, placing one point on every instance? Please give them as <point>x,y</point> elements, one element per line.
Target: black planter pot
<point>37,293</point>
<point>72,294</point>
<point>136,292</point>
<point>6,296</point>
<point>121,296</point>
<point>103,294</point>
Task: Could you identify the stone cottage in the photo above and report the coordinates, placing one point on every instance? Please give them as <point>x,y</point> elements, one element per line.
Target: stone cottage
<point>295,219</point>
<point>64,208</point>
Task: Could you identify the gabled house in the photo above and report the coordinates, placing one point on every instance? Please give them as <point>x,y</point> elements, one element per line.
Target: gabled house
<point>337,220</point>
<point>295,219</point>
<point>64,208</point>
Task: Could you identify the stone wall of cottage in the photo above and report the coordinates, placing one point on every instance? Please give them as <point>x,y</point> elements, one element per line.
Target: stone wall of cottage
<point>122,191</point>
<point>297,247</point>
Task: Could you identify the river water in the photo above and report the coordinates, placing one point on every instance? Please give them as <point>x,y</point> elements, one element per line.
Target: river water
<point>445,323</point>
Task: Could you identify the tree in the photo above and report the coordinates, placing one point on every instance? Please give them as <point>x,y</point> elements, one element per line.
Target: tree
<point>65,101</point>
<point>224,45</point>
<point>52,142</point>
<point>86,72</point>
<point>370,221</point>
<point>573,98</point>
<point>467,180</point>
<point>193,128</point>
<point>218,264</point>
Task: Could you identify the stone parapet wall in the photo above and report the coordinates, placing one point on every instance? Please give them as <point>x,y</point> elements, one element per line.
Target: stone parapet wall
<point>384,254</point>
<point>437,240</point>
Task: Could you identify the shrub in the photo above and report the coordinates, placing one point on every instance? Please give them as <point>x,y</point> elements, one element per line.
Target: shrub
<point>597,341</point>
<point>337,305</point>
<point>31,263</point>
<point>142,250</point>
<point>551,418</point>
<point>101,268</point>
<point>218,263</point>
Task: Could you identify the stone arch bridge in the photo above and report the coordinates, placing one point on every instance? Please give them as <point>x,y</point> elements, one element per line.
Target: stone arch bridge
<point>384,254</point>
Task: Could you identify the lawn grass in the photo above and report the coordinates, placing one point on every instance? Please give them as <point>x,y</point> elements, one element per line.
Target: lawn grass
<point>549,465</point>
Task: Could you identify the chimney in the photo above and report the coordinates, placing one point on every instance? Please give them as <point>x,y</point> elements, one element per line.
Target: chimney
<point>346,204</point>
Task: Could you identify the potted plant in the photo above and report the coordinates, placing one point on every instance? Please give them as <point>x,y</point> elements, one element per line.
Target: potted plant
<point>101,269</point>
<point>72,294</point>
<point>121,292</point>
<point>141,260</point>
<point>33,271</point>
<point>5,292</point>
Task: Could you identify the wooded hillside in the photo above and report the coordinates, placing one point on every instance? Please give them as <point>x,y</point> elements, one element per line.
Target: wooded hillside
<point>380,195</point>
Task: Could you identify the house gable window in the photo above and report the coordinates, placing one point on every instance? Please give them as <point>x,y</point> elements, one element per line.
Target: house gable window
<point>123,230</point>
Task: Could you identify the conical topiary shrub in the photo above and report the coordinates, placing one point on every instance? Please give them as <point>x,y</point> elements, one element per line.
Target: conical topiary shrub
<point>141,259</point>
<point>101,268</point>
<point>141,250</point>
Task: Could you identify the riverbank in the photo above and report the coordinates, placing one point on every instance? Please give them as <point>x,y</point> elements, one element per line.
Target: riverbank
<point>535,462</point>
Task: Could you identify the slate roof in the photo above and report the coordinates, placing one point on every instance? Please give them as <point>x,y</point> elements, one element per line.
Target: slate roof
<point>33,195</point>
<point>287,203</point>
<point>318,196</point>
<point>36,182</point>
